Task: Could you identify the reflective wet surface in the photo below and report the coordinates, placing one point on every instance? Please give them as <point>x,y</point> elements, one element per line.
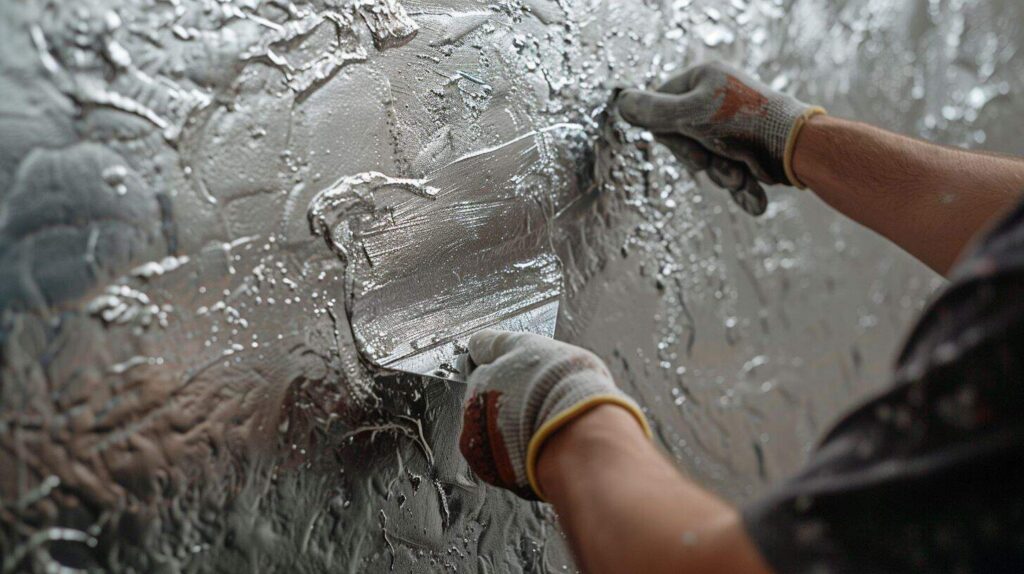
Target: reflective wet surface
<point>181,388</point>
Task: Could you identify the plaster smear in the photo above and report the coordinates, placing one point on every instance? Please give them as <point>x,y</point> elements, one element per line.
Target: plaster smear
<point>431,261</point>
<point>181,382</point>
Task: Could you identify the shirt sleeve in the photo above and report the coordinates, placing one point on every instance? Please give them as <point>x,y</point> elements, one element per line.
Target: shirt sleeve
<point>928,476</point>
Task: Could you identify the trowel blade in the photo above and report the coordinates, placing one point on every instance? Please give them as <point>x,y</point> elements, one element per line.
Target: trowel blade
<point>430,262</point>
<point>448,360</point>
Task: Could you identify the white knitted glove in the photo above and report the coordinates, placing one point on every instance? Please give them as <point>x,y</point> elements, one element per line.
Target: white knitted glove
<point>525,388</point>
<point>718,119</point>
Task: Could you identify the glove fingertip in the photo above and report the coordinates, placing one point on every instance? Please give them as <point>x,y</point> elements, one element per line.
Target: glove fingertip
<point>752,198</point>
<point>622,93</point>
<point>487,345</point>
<point>626,100</point>
<point>727,174</point>
<point>640,107</point>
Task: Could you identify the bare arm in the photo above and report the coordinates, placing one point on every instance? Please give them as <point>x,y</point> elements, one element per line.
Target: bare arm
<point>626,508</point>
<point>928,199</point>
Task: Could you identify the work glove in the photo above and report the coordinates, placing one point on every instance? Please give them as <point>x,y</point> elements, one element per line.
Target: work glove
<point>525,388</point>
<point>717,119</point>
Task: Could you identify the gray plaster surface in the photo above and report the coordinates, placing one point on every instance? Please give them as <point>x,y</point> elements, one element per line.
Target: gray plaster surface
<point>180,389</point>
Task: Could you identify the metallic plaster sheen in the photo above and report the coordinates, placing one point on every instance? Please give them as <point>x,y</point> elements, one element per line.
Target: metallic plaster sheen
<point>180,384</point>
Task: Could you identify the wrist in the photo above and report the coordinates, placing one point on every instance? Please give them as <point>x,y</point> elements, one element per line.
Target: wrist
<point>801,123</point>
<point>807,159</point>
<point>584,446</point>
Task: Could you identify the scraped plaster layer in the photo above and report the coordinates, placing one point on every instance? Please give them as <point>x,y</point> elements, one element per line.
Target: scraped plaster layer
<point>430,261</point>
<point>180,385</point>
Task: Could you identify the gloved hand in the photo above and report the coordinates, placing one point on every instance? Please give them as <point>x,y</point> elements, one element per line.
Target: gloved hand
<point>718,119</point>
<point>525,388</point>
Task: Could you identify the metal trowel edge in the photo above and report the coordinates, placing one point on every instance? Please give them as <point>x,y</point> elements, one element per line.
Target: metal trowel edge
<point>448,358</point>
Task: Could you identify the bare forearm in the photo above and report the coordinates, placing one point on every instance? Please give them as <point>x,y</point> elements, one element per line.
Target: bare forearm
<point>928,199</point>
<point>627,509</point>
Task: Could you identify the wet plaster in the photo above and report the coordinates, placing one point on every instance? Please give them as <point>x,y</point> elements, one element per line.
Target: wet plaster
<point>430,261</point>
<point>181,388</point>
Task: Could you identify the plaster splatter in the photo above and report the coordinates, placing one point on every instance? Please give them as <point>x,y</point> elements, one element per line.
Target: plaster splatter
<point>156,162</point>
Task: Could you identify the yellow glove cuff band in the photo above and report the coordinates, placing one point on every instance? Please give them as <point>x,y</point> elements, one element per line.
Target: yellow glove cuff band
<point>565,417</point>
<point>794,133</point>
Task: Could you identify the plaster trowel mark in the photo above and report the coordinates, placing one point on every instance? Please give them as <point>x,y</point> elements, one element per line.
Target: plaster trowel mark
<point>353,195</point>
<point>332,208</point>
<point>477,219</point>
<point>565,126</point>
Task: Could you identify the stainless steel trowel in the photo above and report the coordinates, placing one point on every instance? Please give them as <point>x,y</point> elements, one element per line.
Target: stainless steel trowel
<point>429,262</point>
<point>449,359</point>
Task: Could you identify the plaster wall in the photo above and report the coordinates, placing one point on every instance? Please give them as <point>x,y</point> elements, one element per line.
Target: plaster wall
<point>180,389</point>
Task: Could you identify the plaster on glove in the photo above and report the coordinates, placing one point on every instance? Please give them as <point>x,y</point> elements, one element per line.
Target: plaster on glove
<point>717,119</point>
<point>525,388</point>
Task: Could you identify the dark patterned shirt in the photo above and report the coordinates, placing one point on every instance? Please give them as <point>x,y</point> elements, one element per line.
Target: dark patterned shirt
<point>928,476</point>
